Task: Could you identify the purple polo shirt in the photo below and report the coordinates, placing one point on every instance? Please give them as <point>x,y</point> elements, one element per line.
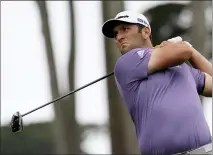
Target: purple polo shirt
<point>165,106</point>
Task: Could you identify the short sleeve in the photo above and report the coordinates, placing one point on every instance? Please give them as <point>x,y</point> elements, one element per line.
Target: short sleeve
<point>199,78</point>
<point>132,66</point>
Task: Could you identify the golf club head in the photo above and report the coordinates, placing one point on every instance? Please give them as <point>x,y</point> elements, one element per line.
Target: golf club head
<point>16,122</point>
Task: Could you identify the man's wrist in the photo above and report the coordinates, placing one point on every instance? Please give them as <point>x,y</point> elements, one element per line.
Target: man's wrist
<point>195,53</point>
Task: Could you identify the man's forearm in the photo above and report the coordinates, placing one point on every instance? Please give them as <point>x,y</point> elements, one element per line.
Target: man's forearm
<point>200,62</point>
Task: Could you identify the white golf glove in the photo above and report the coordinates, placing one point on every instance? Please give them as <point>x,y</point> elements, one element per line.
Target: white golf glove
<point>178,39</point>
<point>175,39</point>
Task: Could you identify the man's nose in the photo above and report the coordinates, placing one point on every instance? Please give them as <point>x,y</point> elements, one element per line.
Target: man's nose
<point>120,36</point>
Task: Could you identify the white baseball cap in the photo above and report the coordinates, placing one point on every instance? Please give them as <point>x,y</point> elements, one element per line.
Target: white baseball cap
<point>125,16</point>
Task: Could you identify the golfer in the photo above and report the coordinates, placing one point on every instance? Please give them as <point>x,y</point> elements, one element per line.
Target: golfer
<point>160,90</point>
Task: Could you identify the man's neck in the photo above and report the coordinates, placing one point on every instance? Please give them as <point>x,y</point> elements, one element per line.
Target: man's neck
<point>147,45</point>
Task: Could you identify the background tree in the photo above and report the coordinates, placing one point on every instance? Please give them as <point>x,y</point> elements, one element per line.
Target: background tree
<point>123,137</point>
<point>198,31</point>
<point>59,141</point>
<point>171,20</point>
<point>65,126</point>
<point>164,22</point>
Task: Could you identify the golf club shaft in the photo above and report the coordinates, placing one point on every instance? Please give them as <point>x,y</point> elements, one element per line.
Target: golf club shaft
<point>69,93</point>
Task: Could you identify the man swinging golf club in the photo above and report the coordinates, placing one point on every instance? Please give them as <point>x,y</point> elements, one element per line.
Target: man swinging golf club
<point>149,80</point>
<point>160,91</point>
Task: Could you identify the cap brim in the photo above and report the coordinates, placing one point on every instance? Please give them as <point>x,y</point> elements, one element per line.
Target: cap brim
<point>108,27</point>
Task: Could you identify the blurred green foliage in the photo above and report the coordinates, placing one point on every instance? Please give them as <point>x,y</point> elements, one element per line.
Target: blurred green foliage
<point>38,138</point>
<point>165,21</point>
<point>35,139</point>
<point>165,16</point>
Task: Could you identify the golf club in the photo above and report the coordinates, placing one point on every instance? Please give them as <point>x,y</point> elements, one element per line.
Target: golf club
<point>17,122</point>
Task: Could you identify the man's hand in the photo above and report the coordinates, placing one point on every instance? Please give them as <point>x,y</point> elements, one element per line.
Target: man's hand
<point>172,40</point>
<point>176,54</point>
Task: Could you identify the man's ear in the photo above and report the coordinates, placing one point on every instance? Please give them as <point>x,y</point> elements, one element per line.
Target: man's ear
<point>146,32</point>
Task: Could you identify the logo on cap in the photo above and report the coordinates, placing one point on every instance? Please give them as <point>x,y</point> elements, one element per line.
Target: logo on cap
<point>142,21</point>
<point>122,17</point>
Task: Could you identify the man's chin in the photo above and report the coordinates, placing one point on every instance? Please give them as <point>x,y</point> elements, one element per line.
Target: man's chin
<point>125,50</point>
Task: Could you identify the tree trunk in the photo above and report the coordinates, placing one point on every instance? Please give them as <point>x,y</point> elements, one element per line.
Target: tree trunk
<point>63,113</point>
<point>199,32</point>
<point>123,136</point>
<point>72,126</point>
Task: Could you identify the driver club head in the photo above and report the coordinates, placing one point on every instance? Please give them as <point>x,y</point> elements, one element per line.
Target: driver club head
<point>16,122</point>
